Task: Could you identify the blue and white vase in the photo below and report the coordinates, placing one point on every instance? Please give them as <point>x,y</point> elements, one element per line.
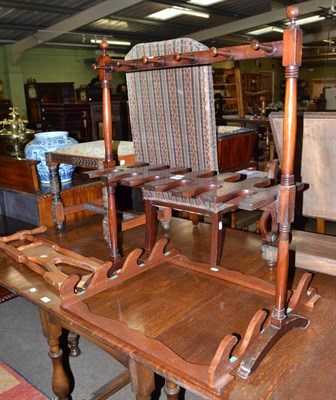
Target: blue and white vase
<point>44,142</point>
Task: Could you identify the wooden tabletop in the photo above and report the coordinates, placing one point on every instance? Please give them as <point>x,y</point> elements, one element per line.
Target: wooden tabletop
<point>301,365</point>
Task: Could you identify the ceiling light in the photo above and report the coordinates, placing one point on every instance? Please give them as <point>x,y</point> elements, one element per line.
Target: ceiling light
<point>308,20</point>
<point>172,12</point>
<point>268,29</point>
<point>116,42</point>
<point>204,2</point>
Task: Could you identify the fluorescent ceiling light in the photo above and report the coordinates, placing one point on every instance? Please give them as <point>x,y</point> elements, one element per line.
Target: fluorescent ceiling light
<point>204,2</point>
<point>172,12</point>
<point>116,42</point>
<point>268,29</point>
<point>308,20</point>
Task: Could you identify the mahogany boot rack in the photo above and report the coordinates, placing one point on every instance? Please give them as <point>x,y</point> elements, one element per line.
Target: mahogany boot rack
<point>145,352</point>
<point>283,204</point>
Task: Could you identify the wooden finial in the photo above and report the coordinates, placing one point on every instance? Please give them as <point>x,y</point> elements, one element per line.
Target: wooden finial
<point>103,45</point>
<point>292,14</point>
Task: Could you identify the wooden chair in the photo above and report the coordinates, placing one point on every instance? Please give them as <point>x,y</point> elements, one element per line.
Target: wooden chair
<point>173,123</point>
<point>316,166</point>
<point>89,155</point>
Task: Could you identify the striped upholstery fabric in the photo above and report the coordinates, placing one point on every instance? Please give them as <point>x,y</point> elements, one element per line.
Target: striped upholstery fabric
<point>172,110</point>
<point>194,202</point>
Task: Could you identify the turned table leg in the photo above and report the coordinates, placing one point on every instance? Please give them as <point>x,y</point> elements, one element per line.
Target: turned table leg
<point>142,380</point>
<point>171,390</point>
<point>57,207</point>
<point>60,381</point>
<point>73,344</point>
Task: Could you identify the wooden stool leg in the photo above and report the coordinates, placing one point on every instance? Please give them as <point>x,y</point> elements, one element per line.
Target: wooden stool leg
<point>171,390</point>
<point>151,220</point>
<point>142,380</point>
<point>194,218</point>
<point>233,223</point>
<point>60,381</point>
<point>217,237</point>
<point>165,217</point>
<point>57,207</point>
<point>112,223</point>
<point>320,225</point>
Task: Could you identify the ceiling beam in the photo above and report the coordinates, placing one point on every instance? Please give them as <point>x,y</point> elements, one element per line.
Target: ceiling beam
<point>75,21</point>
<point>38,6</point>
<point>20,27</point>
<point>257,20</point>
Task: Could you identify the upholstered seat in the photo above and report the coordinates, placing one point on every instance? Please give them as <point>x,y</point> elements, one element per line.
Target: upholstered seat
<point>96,149</point>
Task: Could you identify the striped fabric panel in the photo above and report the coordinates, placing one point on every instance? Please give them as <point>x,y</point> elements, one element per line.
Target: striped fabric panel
<point>194,202</point>
<point>172,110</point>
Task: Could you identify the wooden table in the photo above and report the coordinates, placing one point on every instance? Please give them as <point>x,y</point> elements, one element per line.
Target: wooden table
<point>187,310</point>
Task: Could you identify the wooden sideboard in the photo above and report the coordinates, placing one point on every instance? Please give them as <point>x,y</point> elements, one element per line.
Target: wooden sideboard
<point>235,149</point>
<point>22,198</point>
<point>74,118</point>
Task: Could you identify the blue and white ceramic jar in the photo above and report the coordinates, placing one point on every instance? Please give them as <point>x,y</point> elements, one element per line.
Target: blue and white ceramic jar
<point>44,142</point>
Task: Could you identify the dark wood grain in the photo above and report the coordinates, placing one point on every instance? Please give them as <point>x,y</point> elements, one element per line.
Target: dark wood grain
<point>303,359</point>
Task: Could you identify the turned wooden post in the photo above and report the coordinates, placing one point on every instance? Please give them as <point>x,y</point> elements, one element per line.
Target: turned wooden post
<point>286,199</point>
<point>60,380</point>
<point>105,78</point>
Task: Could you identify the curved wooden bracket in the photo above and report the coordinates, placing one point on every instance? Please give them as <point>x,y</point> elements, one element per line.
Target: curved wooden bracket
<point>220,366</point>
<point>304,294</point>
<point>252,332</point>
<point>226,360</point>
<point>158,253</point>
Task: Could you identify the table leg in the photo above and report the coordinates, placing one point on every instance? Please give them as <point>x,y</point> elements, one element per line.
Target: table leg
<point>142,380</point>
<point>52,332</point>
<point>171,390</point>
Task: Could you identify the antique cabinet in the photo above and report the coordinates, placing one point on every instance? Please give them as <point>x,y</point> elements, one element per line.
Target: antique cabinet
<point>38,93</point>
